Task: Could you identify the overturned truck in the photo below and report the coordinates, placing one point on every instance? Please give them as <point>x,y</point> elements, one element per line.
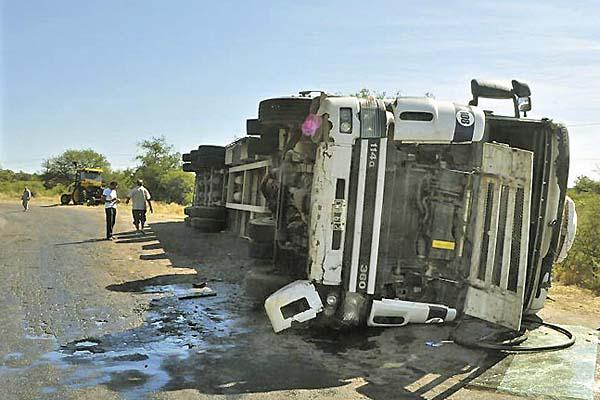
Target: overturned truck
<point>392,211</point>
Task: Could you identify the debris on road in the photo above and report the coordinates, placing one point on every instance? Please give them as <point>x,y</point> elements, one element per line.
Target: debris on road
<point>438,344</point>
<point>198,293</point>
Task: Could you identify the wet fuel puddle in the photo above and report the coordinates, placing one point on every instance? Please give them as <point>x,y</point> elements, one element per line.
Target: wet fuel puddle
<point>223,344</point>
<point>180,322</point>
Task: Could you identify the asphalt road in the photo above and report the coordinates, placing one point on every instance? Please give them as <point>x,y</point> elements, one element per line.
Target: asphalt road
<point>85,318</point>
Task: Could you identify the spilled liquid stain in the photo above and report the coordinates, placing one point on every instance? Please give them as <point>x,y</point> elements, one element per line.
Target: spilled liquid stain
<point>335,342</point>
<point>132,362</point>
<point>225,345</point>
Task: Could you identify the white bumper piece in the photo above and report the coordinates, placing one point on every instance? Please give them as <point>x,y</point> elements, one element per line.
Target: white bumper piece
<point>569,228</point>
<point>298,301</point>
<point>392,312</point>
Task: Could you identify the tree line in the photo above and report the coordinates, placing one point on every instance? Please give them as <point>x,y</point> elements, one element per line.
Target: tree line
<point>582,265</point>
<point>157,163</point>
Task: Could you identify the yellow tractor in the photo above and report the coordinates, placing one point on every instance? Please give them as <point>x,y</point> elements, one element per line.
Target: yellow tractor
<point>87,188</point>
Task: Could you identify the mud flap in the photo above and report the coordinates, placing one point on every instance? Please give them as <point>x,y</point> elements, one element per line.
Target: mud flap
<point>297,302</point>
<point>392,312</point>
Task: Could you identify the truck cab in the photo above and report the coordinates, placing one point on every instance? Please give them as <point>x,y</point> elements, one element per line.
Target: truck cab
<point>415,210</point>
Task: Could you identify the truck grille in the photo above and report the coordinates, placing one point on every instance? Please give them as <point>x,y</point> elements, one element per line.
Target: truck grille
<point>500,200</point>
<point>500,235</point>
<point>515,251</point>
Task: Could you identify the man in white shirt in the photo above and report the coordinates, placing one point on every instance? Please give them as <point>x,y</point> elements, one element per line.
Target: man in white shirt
<point>109,196</point>
<point>139,196</point>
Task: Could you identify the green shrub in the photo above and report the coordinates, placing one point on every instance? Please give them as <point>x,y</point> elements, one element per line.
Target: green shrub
<point>177,187</point>
<point>582,265</point>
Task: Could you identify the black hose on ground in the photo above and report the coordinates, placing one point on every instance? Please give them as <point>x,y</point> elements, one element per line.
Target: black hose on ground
<point>513,346</point>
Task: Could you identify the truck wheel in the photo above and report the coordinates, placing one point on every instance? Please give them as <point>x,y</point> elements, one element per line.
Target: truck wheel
<point>208,156</point>
<point>77,196</point>
<point>211,151</point>
<point>283,111</point>
<point>259,285</point>
<point>253,127</point>
<point>260,250</point>
<point>188,167</point>
<point>205,212</point>
<point>261,229</point>
<point>65,199</point>
<point>207,224</point>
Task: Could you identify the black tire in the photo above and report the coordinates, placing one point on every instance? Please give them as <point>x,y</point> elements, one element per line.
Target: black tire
<point>78,196</point>
<point>285,111</point>
<point>262,229</point>
<point>205,212</point>
<point>269,141</point>
<point>212,154</point>
<point>209,150</point>
<point>262,146</point>
<point>65,199</point>
<point>208,157</point>
<point>253,127</point>
<point>259,285</point>
<point>189,167</point>
<point>260,250</point>
<point>207,224</point>
<point>208,162</point>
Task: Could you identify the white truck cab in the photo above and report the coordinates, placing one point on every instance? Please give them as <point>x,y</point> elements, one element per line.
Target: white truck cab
<point>414,210</point>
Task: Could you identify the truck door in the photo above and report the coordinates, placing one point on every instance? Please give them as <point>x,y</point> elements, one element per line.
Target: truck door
<point>500,235</point>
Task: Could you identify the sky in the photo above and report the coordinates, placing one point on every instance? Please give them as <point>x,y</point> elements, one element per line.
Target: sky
<point>108,74</point>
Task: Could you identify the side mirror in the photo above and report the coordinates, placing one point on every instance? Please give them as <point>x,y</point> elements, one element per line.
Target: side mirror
<point>524,104</point>
<point>521,89</point>
<point>519,93</point>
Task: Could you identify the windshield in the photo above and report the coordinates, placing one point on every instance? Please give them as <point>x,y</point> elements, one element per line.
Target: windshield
<point>86,175</point>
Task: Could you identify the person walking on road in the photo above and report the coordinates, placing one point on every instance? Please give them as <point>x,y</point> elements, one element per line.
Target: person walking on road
<point>109,196</point>
<point>25,197</point>
<point>139,196</point>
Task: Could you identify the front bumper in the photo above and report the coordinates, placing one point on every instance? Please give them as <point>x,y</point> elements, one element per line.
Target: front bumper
<point>300,302</point>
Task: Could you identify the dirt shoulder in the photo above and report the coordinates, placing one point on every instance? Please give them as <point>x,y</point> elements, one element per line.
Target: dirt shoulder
<point>572,305</point>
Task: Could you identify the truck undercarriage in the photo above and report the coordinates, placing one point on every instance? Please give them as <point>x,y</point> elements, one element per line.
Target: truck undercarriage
<point>392,211</point>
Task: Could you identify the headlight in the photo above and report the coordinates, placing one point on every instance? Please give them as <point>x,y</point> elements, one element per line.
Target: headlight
<point>345,120</point>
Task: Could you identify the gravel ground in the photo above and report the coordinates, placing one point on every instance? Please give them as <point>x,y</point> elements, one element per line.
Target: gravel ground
<point>84,318</point>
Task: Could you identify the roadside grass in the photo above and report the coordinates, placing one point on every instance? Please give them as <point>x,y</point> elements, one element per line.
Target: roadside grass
<point>44,198</point>
<point>168,209</point>
<point>13,190</point>
<point>161,209</point>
